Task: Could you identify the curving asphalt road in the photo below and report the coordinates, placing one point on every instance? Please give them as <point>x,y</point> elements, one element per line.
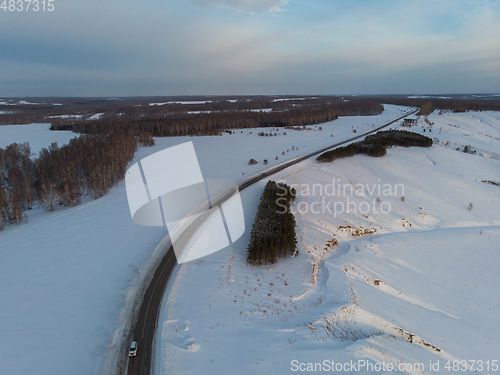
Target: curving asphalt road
<point>147,319</point>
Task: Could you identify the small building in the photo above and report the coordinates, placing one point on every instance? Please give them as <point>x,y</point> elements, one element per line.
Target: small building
<point>409,121</point>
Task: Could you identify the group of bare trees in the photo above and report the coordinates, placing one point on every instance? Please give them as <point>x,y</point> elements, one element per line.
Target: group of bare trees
<point>88,165</point>
<point>16,182</point>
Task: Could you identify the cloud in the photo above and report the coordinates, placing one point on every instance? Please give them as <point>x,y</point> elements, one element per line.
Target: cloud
<point>184,47</point>
<point>247,6</point>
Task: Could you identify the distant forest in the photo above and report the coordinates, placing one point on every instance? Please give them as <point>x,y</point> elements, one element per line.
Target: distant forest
<point>209,115</point>
<point>168,117</point>
<point>213,119</point>
<point>273,231</point>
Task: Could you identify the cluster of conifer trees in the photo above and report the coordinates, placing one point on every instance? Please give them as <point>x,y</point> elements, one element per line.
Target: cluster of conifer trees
<point>376,145</point>
<point>389,138</point>
<point>273,232</point>
<point>88,165</point>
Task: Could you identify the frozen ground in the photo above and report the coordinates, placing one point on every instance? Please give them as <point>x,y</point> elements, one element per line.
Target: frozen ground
<point>68,275</point>
<point>415,285</point>
<point>37,135</point>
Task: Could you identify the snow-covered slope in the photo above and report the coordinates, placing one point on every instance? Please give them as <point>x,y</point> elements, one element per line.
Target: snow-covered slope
<point>474,130</point>
<point>415,284</point>
<point>68,275</point>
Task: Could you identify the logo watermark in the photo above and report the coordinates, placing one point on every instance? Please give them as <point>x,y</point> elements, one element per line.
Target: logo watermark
<point>338,198</point>
<point>367,366</point>
<point>167,189</point>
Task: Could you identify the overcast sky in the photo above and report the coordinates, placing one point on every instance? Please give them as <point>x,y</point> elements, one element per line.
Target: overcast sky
<point>205,47</point>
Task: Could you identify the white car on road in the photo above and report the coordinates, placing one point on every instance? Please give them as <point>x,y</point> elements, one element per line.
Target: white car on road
<point>132,352</point>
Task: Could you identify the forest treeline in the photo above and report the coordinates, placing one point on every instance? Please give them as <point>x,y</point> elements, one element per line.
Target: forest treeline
<point>166,124</point>
<point>218,109</point>
<point>88,165</point>
<point>376,145</point>
<point>273,231</point>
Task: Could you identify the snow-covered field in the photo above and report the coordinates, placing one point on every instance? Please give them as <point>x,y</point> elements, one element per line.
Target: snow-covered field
<point>183,102</point>
<point>37,135</point>
<point>68,275</point>
<point>261,110</point>
<point>66,116</point>
<point>286,99</point>
<point>473,129</point>
<point>415,285</point>
<point>97,116</point>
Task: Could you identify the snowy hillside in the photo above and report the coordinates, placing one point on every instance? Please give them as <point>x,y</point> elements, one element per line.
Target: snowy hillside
<point>70,276</point>
<point>413,281</point>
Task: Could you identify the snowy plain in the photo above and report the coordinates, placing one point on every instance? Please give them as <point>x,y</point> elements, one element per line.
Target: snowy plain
<point>37,135</point>
<point>183,102</point>
<point>419,288</point>
<point>70,275</point>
